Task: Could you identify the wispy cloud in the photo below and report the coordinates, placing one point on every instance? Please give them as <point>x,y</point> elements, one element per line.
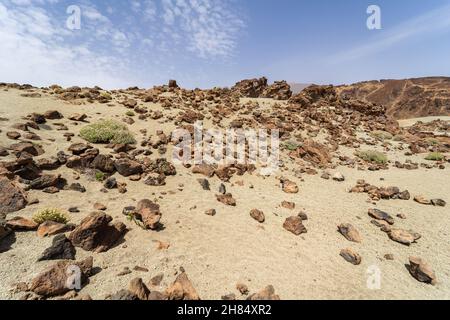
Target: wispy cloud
<point>433,21</point>
<point>119,44</point>
<point>209,28</point>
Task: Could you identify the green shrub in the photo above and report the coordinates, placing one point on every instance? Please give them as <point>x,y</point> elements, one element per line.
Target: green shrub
<point>130,113</point>
<point>106,95</point>
<point>435,156</point>
<point>291,146</point>
<point>432,141</point>
<point>107,131</point>
<point>372,156</point>
<point>381,135</point>
<point>55,215</point>
<point>99,176</point>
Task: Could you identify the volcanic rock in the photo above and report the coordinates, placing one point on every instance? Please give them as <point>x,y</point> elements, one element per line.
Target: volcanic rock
<point>182,289</point>
<point>381,215</point>
<point>258,215</point>
<point>295,225</point>
<point>50,228</point>
<point>45,181</point>
<point>351,256</point>
<point>96,233</point>
<point>266,294</point>
<point>139,289</point>
<point>53,115</point>
<point>127,167</point>
<point>350,232</point>
<point>289,186</point>
<point>61,249</point>
<point>149,213</point>
<point>421,270</point>
<point>403,236</point>
<point>12,197</point>
<point>55,280</point>
<point>438,202</point>
<point>21,224</point>
<point>226,199</point>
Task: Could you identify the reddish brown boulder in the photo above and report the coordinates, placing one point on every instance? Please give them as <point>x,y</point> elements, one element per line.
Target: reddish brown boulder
<point>139,289</point>
<point>22,224</point>
<point>204,169</point>
<point>226,199</point>
<point>314,153</point>
<point>56,280</point>
<point>421,270</point>
<point>182,289</point>
<point>403,236</point>
<point>295,225</point>
<point>266,294</point>
<point>149,213</point>
<point>12,197</point>
<point>288,205</point>
<point>351,256</point>
<point>258,215</point>
<point>50,228</point>
<point>96,233</point>
<point>289,186</point>
<point>350,232</point>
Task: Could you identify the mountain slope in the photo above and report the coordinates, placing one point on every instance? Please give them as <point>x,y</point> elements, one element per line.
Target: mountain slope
<point>407,98</point>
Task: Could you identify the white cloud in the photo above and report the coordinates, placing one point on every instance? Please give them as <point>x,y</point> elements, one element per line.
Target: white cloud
<point>210,27</point>
<point>141,43</point>
<point>33,51</point>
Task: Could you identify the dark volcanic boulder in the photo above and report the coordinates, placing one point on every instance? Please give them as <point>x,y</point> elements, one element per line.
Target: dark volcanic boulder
<point>12,197</point>
<point>127,167</point>
<point>4,229</point>
<point>61,249</point>
<point>96,233</point>
<point>103,163</point>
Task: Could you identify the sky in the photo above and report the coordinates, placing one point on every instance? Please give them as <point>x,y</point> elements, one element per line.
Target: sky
<point>207,43</point>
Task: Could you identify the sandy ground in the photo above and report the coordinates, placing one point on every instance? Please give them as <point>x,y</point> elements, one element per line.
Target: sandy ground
<point>410,122</point>
<point>218,252</point>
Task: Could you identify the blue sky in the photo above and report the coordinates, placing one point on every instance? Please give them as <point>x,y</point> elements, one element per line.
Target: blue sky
<point>206,43</point>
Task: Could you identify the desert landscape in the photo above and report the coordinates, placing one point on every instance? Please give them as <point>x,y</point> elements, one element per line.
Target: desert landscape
<point>357,208</point>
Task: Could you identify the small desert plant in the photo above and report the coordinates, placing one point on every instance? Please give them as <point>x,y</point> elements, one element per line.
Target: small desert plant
<point>432,141</point>
<point>107,131</point>
<point>132,217</point>
<point>435,156</point>
<point>55,215</point>
<point>372,156</point>
<point>291,146</point>
<point>398,137</point>
<point>382,135</point>
<point>106,95</point>
<point>130,113</point>
<point>99,176</point>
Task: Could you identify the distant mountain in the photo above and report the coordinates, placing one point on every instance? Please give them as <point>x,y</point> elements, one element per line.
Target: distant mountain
<point>404,99</point>
<point>298,87</point>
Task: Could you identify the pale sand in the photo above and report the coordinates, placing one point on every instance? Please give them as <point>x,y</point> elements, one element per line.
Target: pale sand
<point>410,122</point>
<point>218,252</point>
